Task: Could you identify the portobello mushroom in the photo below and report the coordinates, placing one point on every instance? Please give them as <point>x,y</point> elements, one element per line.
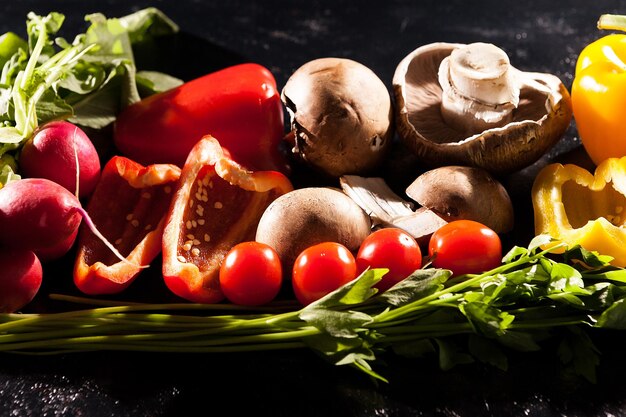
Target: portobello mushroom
<point>467,105</point>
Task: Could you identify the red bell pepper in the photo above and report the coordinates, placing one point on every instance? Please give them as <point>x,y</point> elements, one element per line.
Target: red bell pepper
<point>128,206</point>
<point>217,204</point>
<point>239,105</point>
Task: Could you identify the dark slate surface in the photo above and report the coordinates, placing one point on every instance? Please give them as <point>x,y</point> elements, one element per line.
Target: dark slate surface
<point>538,35</point>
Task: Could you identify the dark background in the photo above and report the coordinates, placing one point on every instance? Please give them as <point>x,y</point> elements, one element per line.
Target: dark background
<point>537,35</point>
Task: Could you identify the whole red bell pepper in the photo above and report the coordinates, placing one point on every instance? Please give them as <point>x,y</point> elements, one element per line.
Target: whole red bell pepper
<point>128,206</point>
<point>239,105</point>
<point>217,204</point>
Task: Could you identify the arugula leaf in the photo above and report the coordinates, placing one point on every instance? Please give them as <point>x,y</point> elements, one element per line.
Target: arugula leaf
<point>87,81</point>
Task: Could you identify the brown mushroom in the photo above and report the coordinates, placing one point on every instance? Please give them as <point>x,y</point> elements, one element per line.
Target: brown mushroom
<point>341,116</point>
<point>466,105</point>
<point>458,192</point>
<point>308,216</point>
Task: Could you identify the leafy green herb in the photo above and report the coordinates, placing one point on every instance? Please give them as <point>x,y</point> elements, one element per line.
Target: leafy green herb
<point>533,296</point>
<point>87,81</point>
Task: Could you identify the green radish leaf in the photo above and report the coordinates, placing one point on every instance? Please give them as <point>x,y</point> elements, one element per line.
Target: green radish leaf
<point>146,24</point>
<point>10,44</point>
<point>152,82</point>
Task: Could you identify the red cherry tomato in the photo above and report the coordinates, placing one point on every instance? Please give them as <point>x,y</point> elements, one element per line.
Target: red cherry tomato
<point>393,249</point>
<point>465,247</point>
<point>251,274</point>
<point>321,269</point>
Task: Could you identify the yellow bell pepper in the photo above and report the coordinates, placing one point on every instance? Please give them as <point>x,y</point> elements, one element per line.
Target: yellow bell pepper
<point>599,93</point>
<point>577,207</point>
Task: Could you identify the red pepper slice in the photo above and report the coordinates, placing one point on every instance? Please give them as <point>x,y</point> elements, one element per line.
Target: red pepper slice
<point>217,204</point>
<point>128,206</point>
<point>239,105</point>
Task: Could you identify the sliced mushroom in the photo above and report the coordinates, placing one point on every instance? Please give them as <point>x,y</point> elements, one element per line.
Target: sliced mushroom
<point>466,105</point>
<point>387,209</point>
<point>458,192</point>
<point>444,194</point>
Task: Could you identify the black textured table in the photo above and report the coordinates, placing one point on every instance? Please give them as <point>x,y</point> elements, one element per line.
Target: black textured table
<point>537,35</point>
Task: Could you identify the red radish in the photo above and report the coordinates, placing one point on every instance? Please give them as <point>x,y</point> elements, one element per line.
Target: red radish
<point>38,214</point>
<point>20,279</point>
<point>58,250</point>
<point>55,151</point>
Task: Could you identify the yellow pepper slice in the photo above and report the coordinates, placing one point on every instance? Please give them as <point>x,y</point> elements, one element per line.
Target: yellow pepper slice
<point>577,207</point>
<point>599,93</point>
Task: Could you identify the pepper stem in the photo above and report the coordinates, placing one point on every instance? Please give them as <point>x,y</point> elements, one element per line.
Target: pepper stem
<point>612,22</point>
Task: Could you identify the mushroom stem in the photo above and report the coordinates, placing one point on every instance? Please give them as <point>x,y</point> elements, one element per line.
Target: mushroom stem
<point>480,88</point>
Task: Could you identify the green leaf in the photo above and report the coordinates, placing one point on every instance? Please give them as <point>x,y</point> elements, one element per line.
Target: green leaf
<point>10,44</point>
<point>565,278</point>
<point>487,352</point>
<point>613,317</point>
<point>617,275</point>
<point>590,259</point>
<point>50,106</point>
<point>539,241</point>
<point>420,284</point>
<point>7,170</point>
<point>85,78</point>
<point>450,355</point>
<point>100,108</point>
<point>515,253</point>
<point>485,319</point>
<point>327,313</point>
<point>578,352</point>
<point>356,291</point>
<point>414,349</point>
<point>568,298</point>
<point>520,341</point>
<point>336,323</point>
<point>151,82</point>
<point>147,23</point>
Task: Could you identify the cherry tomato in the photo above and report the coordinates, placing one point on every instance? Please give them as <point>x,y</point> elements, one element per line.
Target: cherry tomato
<point>321,269</point>
<point>465,247</point>
<point>393,249</point>
<point>251,274</point>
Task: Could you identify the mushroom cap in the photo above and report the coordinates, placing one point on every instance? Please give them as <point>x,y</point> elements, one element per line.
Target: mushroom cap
<point>461,192</point>
<point>308,216</point>
<point>541,118</point>
<point>341,114</point>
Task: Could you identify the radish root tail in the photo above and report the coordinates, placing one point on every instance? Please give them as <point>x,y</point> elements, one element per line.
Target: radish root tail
<point>77,162</point>
<point>92,227</point>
